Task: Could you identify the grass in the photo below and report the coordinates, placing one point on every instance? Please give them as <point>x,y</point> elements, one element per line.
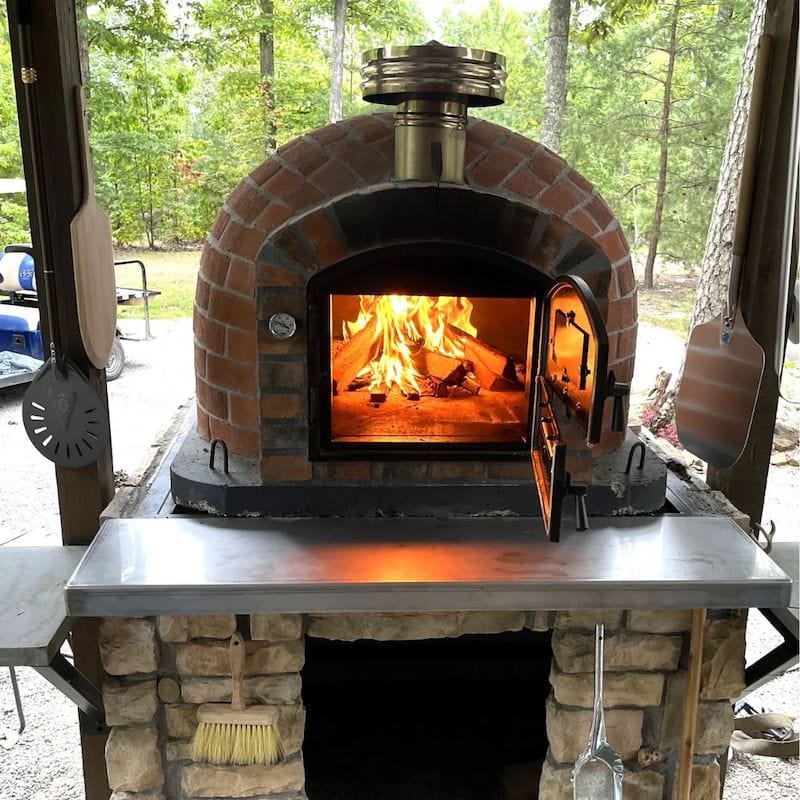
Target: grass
<point>173,273</point>
<point>669,311</point>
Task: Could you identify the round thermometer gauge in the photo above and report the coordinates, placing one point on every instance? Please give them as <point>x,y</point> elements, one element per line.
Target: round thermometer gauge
<point>282,326</point>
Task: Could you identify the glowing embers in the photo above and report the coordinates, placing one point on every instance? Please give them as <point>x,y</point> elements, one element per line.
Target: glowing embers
<point>415,368</point>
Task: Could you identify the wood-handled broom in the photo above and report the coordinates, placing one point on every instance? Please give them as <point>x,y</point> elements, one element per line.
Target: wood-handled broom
<point>237,734</point>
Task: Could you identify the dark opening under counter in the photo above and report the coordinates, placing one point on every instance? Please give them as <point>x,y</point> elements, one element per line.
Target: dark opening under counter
<point>141,567</point>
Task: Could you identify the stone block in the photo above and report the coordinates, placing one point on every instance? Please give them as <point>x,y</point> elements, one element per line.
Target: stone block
<point>178,751</point>
<point>714,720</point>
<point>723,659</point>
<point>586,620</point>
<point>568,731</point>
<point>269,689</point>
<point>276,627</point>
<point>538,621</point>
<point>624,651</point>
<point>181,720</point>
<point>125,705</point>
<point>662,621</point>
<point>173,628</point>
<point>556,784</point>
<point>213,658</point>
<point>183,628</point>
<point>204,780</point>
<point>392,626</point>
<point>133,760</point>
<point>620,688</point>
<point>168,690</point>
<point>156,795</point>
<point>705,782</point>
<point>128,646</point>
<point>292,724</point>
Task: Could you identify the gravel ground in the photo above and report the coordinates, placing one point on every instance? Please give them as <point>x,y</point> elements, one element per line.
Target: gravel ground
<point>44,763</point>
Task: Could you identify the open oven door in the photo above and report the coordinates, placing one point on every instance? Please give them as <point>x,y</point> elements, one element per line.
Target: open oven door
<point>572,383</point>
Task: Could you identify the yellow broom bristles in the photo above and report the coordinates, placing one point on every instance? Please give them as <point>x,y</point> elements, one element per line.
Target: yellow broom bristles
<point>236,745</point>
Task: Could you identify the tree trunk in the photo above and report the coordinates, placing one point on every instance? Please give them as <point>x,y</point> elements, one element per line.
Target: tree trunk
<point>555,87</point>
<point>715,270</point>
<point>337,59</point>
<point>83,43</point>
<point>663,134</point>
<point>266,44</point>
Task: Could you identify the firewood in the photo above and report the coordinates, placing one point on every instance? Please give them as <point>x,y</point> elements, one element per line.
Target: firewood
<point>429,362</point>
<point>354,355</point>
<point>498,362</point>
<point>471,384</point>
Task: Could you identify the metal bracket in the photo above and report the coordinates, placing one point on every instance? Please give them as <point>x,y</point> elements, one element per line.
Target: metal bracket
<point>73,685</point>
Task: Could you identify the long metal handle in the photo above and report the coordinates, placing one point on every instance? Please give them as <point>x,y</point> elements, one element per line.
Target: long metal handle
<point>598,733</point>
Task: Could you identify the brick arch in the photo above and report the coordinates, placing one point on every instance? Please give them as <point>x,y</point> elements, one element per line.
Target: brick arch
<point>283,222</point>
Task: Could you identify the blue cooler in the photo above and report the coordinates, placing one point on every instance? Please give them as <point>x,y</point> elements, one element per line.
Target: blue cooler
<point>19,330</point>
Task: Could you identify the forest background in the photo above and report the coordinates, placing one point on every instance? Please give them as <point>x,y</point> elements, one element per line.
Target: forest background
<point>187,96</point>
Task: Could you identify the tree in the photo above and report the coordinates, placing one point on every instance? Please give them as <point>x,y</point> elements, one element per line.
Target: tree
<point>555,88</point>
<point>266,50</point>
<point>715,270</point>
<point>337,59</point>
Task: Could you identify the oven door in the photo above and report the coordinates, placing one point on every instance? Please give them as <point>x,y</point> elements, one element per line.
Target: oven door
<point>570,389</point>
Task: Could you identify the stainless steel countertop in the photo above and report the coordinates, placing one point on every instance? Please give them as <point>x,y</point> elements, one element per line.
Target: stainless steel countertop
<point>138,567</point>
<point>33,615</point>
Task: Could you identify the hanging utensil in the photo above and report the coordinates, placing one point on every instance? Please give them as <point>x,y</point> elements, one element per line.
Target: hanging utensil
<point>93,259</point>
<point>598,770</point>
<point>724,363</point>
<point>63,415</point>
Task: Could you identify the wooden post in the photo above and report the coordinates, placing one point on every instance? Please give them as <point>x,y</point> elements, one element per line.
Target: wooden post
<point>744,484</point>
<point>50,139</point>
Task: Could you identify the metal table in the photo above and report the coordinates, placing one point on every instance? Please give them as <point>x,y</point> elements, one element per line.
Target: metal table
<point>211,565</point>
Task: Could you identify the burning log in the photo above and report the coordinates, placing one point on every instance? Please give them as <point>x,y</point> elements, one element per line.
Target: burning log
<point>495,370</point>
<point>354,355</point>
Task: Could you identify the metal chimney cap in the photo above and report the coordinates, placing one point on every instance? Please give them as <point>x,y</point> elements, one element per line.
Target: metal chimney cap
<point>394,74</point>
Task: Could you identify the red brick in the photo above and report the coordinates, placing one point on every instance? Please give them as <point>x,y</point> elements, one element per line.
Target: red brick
<point>600,211</point>
<point>346,470</point>
<point>364,159</point>
<point>521,144</point>
<point>614,245</point>
<point>525,183</point>
<point>224,373</point>
<point>621,314</point>
<point>324,237</point>
<point>242,240</point>
<point>626,345</point>
<point>276,469</point>
<point>304,155</point>
<point>241,276</point>
<point>335,178</point>
<point>330,133</point>
<point>247,201</point>
<point>626,278</point>
<point>372,126</point>
<point>211,399</point>
<point>219,223</point>
<point>547,165</point>
<point>199,361</point>
<point>283,406</point>
<point>243,409</point>
<point>282,184</point>
<point>208,332</point>
<point>213,264</point>
<point>386,148</point>
<point>268,345</point>
<point>485,134</point>
<point>562,197</point>
<point>264,171</point>
<point>495,168</point>
<point>283,374</point>
<point>241,346</point>
<point>288,244</point>
<point>580,181</point>
<point>202,292</point>
<point>202,424</point>
<point>273,216</point>
<point>583,222</point>
<point>270,275</point>
<point>241,441</point>
<point>471,152</point>
<point>232,309</point>
<point>456,470</point>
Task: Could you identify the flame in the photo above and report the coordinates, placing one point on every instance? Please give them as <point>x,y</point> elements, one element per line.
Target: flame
<point>406,324</point>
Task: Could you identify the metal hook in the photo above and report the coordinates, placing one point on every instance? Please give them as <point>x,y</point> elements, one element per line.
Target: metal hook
<point>640,447</point>
<point>769,535</point>
<point>214,444</point>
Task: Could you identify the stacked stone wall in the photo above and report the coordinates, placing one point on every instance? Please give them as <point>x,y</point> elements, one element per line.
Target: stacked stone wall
<point>160,669</point>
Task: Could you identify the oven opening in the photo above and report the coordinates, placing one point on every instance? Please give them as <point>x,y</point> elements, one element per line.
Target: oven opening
<point>451,719</point>
<point>417,369</point>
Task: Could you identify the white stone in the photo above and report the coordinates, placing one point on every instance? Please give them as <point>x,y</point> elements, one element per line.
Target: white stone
<point>586,620</point>
<point>269,689</point>
<point>723,659</point>
<point>619,688</point>
<point>660,621</point>
<point>568,731</point>
<point>168,690</point>
<point>178,751</point>
<point>128,646</point>
<point>129,704</point>
<point>204,780</point>
<point>291,724</point>
<point>556,784</point>
<point>276,627</point>
<point>181,720</point>
<point>538,620</point>
<point>133,760</point>
<point>705,782</point>
<point>396,626</point>
<point>213,658</point>
<point>624,651</point>
<point>138,796</point>
<point>209,626</point>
